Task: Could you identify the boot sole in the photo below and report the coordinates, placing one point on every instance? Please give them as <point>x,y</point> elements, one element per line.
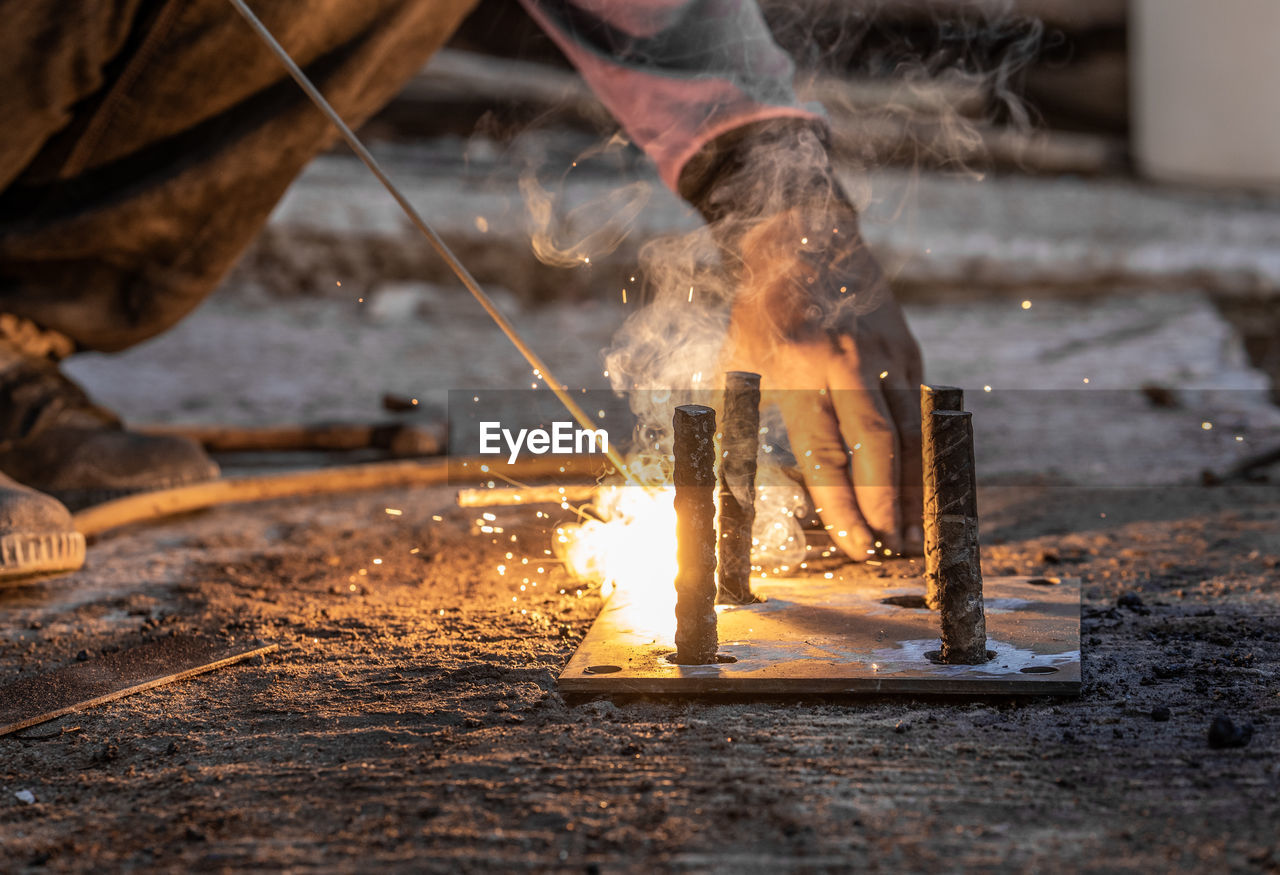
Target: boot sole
<point>23,554</point>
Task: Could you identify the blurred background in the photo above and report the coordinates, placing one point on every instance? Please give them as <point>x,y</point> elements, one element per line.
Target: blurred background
<point>1076,200</point>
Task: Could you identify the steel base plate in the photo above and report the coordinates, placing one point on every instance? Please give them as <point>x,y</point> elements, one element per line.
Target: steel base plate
<point>821,636</point>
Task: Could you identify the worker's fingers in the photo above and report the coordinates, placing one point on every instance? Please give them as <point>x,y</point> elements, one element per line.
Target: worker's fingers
<point>820,454</point>
<point>869,430</point>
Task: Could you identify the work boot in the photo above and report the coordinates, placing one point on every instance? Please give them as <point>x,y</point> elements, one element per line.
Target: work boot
<point>36,534</point>
<point>55,439</point>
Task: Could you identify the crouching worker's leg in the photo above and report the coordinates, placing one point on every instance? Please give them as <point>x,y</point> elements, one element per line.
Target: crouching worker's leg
<point>143,145</point>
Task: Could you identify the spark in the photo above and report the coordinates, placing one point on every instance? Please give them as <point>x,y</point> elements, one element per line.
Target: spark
<point>377,561</point>
<point>690,294</point>
<point>482,224</point>
<point>986,388</point>
<point>1239,437</point>
<point>884,374</point>
<point>1026,305</point>
<point>1207,426</point>
<point>1086,379</point>
<point>437,517</point>
<point>393,511</point>
<point>804,241</point>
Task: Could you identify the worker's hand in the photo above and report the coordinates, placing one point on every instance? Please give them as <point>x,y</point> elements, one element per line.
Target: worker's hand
<point>815,317</point>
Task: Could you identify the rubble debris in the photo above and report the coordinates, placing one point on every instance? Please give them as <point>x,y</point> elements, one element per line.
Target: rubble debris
<point>1226,733</point>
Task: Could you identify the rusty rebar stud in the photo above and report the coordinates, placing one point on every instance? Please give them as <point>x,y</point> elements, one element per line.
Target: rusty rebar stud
<point>694,428</point>
<point>739,444</point>
<point>933,398</point>
<point>952,507</point>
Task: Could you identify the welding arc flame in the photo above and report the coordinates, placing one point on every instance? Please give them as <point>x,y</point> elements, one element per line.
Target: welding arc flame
<point>630,543</point>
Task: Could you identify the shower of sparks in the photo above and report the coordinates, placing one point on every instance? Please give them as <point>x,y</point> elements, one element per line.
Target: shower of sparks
<point>625,538</point>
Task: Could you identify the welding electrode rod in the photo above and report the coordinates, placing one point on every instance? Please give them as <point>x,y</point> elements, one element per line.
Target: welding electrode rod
<point>933,398</point>
<point>694,428</point>
<point>433,238</point>
<point>739,443</point>
<point>951,506</point>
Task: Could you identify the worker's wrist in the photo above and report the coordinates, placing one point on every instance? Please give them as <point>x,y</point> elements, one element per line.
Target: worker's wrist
<point>760,170</point>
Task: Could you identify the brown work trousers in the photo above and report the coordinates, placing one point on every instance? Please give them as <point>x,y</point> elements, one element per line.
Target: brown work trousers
<point>143,143</point>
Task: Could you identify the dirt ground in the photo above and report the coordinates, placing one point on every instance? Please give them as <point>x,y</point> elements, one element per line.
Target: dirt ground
<point>411,722</point>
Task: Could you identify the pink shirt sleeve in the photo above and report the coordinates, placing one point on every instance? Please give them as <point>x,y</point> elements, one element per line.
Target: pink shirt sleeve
<point>675,73</point>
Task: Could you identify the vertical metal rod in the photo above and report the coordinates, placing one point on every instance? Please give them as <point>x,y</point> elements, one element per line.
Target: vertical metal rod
<point>694,428</point>
<point>933,398</point>
<point>438,244</point>
<point>739,444</point>
<point>952,507</point>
